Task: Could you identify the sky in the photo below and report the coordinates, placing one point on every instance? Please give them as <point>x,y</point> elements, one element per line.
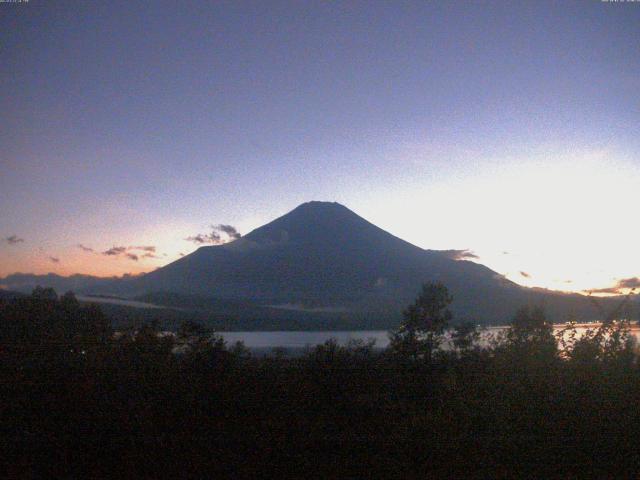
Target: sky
<point>506,128</point>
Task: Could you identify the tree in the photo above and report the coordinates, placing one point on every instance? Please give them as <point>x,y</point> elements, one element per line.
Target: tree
<point>41,293</point>
<point>193,332</point>
<point>424,323</point>
<point>45,327</point>
<point>464,337</point>
<point>530,336</point>
<point>530,325</point>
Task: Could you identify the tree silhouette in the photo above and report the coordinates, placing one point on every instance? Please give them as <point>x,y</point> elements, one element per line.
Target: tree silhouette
<point>424,322</point>
<point>530,338</point>
<point>464,336</point>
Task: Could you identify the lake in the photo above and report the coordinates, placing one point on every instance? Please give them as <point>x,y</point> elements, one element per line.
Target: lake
<point>265,341</point>
<point>296,340</point>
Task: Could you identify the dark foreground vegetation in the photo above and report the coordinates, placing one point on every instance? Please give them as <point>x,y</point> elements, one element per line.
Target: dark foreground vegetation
<point>78,401</point>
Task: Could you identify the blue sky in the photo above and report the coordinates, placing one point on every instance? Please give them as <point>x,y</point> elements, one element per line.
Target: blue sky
<point>450,124</point>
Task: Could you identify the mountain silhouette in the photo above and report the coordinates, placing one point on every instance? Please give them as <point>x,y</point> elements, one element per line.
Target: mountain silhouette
<point>322,258</point>
<point>321,255</point>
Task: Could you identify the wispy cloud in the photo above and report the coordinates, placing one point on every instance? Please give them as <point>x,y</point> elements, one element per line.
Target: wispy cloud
<point>230,230</point>
<point>85,248</point>
<point>202,238</point>
<point>459,254</point>
<point>54,259</point>
<point>134,253</point>
<point>219,234</point>
<point>114,251</point>
<point>607,290</point>
<point>13,240</point>
<point>146,248</point>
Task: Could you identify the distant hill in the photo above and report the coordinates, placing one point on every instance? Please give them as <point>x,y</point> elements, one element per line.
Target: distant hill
<point>26,282</point>
<point>323,260</point>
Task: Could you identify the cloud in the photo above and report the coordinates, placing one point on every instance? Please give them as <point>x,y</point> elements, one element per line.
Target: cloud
<point>230,230</point>
<point>84,248</point>
<point>611,290</point>
<point>114,251</point>
<point>54,259</point>
<point>147,248</point>
<point>13,239</point>
<point>633,282</point>
<point>525,274</point>
<point>620,286</point>
<point>459,254</point>
<point>219,234</point>
<point>148,251</point>
<point>201,238</point>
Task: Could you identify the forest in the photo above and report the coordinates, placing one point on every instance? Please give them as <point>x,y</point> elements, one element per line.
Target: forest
<point>79,399</point>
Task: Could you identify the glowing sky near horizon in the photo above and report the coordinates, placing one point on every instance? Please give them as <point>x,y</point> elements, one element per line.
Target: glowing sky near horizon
<point>506,128</point>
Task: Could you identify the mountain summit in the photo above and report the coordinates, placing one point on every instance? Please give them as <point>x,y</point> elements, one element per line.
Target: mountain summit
<point>325,225</point>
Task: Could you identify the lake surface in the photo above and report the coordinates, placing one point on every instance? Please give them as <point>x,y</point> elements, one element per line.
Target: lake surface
<point>265,341</point>
<point>300,339</point>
